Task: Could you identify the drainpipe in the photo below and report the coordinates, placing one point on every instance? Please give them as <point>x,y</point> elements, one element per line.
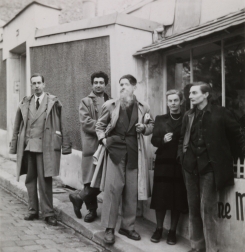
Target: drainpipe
<point>89,8</point>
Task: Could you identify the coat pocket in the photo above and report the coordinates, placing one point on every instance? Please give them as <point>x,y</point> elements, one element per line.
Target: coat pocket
<point>57,142</point>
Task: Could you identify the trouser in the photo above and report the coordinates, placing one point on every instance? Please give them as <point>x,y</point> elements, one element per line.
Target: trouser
<point>121,183</point>
<point>89,196</point>
<point>203,210</point>
<point>35,173</point>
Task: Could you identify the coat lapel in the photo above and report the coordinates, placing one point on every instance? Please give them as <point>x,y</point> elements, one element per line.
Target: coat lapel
<point>140,112</point>
<point>24,107</point>
<point>41,109</point>
<point>93,98</point>
<point>115,114</point>
<point>50,103</point>
<point>32,107</point>
<point>134,116</point>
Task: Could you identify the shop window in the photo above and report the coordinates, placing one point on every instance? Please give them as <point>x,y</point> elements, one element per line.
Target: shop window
<point>235,79</point>
<point>204,63</point>
<point>234,53</point>
<point>207,68</point>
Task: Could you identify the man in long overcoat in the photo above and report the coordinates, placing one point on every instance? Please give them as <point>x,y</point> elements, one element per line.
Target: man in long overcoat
<point>205,153</point>
<point>89,112</point>
<point>38,137</point>
<point>120,128</point>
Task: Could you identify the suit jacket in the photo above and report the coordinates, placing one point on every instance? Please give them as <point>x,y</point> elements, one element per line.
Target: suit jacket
<point>106,123</point>
<point>88,115</point>
<point>35,126</point>
<point>52,142</point>
<point>218,126</point>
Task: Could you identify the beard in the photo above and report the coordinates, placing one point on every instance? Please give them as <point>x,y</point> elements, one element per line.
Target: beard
<point>126,99</point>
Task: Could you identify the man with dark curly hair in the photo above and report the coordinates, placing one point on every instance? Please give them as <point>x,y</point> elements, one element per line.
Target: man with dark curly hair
<point>89,112</point>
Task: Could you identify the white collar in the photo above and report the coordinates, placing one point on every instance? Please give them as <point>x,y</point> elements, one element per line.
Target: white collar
<point>40,98</point>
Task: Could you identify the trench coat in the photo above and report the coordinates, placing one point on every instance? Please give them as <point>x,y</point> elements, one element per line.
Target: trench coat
<point>53,143</point>
<point>218,127</point>
<point>107,122</point>
<point>88,115</point>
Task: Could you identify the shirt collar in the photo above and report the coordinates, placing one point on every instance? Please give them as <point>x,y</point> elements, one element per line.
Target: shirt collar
<point>40,98</point>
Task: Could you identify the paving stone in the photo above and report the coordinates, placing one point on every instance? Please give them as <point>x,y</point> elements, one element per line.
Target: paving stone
<point>45,241</point>
<point>50,250</point>
<point>7,244</point>
<point>47,236</point>
<point>75,244</point>
<point>28,237</point>
<point>87,249</point>
<point>25,243</point>
<point>9,238</point>
<point>13,249</point>
<point>32,232</point>
<point>33,247</point>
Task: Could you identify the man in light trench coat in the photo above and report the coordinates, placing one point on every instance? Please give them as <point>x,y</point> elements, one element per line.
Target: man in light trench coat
<point>89,112</point>
<point>120,128</point>
<point>38,137</point>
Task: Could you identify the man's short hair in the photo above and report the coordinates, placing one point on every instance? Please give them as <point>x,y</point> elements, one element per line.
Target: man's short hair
<point>99,74</point>
<point>37,75</point>
<point>175,91</point>
<point>204,87</point>
<point>132,80</point>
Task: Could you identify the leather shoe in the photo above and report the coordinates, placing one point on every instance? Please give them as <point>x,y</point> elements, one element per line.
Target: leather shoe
<point>91,216</point>
<point>157,235</point>
<point>131,234</point>
<point>109,237</point>
<point>171,239</point>
<point>77,204</point>
<point>29,217</point>
<point>51,220</point>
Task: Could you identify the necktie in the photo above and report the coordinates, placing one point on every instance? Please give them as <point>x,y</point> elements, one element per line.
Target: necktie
<point>37,104</point>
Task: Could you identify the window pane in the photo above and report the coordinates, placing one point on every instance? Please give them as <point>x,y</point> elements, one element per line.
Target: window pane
<point>178,74</point>
<point>207,68</point>
<point>235,77</point>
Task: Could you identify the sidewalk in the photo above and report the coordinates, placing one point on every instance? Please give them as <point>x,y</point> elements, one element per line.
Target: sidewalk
<point>93,231</point>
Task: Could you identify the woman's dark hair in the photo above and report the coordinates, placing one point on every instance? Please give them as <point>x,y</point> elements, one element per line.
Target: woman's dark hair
<point>132,80</point>
<point>99,74</point>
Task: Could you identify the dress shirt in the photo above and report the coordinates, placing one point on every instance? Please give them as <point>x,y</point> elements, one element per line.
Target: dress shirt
<point>40,98</point>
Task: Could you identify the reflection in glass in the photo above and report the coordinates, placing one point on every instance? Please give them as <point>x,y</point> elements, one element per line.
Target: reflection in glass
<point>235,79</point>
<point>207,68</point>
<point>178,75</point>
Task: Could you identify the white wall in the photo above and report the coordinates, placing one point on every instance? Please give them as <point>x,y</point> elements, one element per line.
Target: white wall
<point>214,9</point>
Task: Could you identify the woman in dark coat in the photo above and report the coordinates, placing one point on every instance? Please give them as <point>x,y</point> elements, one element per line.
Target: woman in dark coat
<point>169,192</point>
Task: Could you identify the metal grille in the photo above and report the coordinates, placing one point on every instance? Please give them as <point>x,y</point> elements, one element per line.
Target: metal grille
<point>67,68</point>
<point>239,168</point>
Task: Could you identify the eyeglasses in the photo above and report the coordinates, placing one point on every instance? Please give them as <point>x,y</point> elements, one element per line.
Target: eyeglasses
<point>98,82</point>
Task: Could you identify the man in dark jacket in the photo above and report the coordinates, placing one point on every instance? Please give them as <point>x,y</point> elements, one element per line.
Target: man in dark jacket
<point>89,112</point>
<point>205,153</point>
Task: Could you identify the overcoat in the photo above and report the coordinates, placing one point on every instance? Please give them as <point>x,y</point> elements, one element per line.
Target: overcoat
<point>88,115</point>
<point>52,142</point>
<point>107,122</point>
<point>218,127</point>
